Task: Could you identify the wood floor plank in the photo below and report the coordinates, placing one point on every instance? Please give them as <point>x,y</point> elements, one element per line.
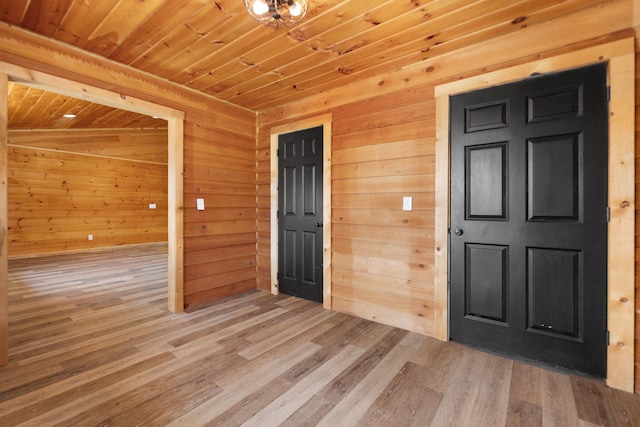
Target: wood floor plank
<point>406,401</point>
<point>355,404</point>
<point>92,343</point>
<point>330,395</point>
<point>521,413</point>
<point>285,404</point>
<point>558,404</point>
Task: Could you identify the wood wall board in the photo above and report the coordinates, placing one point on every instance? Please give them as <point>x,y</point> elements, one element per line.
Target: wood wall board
<point>219,281</point>
<point>415,301</point>
<point>384,315</point>
<point>419,165</point>
<point>386,184</point>
<point>384,218</point>
<point>78,183</point>
<point>417,272</point>
<point>4,221</point>
<point>401,131</point>
<point>397,149</point>
<point>421,201</point>
<point>398,235</point>
<point>204,243</point>
<point>221,162</point>
<point>379,283</point>
<point>222,187</point>
<point>197,228</point>
<point>368,248</point>
<point>220,254</point>
<point>148,145</point>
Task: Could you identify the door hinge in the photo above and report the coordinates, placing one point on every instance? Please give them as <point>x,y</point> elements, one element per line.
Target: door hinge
<point>608,93</point>
<point>277,152</point>
<point>608,214</point>
<point>608,338</point>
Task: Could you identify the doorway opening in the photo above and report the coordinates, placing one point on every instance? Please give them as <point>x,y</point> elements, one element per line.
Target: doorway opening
<point>619,56</point>
<point>528,218</point>
<point>325,122</point>
<point>175,127</point>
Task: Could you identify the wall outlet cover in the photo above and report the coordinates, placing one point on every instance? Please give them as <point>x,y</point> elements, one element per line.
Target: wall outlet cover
<point>407,203</point>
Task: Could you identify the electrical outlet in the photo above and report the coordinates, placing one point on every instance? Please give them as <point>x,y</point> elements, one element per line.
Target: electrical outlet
<point>152,205</point>
<point>90,237</point>
<point>200,204</point>
<point>407,203</point>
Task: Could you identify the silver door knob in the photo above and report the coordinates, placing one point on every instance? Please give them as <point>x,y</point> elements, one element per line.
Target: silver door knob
<point>458,231</point>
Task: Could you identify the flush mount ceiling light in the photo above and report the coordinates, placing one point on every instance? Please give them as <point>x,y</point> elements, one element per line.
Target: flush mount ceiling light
<point>276,12</point>
<point>69,116</point>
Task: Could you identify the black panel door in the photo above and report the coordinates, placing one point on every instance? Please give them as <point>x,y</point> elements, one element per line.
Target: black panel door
<point>528,219</point>
<point>300,213</point>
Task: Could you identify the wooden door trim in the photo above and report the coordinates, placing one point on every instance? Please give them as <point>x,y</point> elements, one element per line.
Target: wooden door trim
<point>275,132</point>
<point>4,221</point>
<point>175,121</point>
<point>620,56</point>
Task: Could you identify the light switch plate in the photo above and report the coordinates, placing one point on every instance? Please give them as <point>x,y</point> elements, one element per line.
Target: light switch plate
<point>152,205</point>
<point>200,204</point>
<point>407,203</point>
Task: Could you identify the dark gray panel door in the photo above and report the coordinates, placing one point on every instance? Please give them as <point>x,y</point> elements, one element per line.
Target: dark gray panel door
<point>528,219</point>
<point>300,213</point>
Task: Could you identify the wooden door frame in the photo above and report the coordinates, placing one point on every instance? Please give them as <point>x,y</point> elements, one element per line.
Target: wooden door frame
<point>175,133</point>
<point>620,57</point>
<point>275,132</point>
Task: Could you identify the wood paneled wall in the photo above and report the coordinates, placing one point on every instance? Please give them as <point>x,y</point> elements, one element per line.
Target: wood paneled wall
<point>220,242</point>
<point>67,185</point>
<point>215,133</point>
<point>383,149</point>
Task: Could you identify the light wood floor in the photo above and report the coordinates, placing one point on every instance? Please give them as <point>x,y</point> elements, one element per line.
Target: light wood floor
<point>91,343</point>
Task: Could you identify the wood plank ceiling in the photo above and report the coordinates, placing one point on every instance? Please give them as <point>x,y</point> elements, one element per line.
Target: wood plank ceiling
<point>217,48</point>
<point>32,108</point>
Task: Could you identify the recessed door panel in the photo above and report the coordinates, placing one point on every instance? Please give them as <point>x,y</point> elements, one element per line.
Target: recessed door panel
<point>555,104</point>
<point>554,291</point>
<point>309,189</point>
<point>290,261</point>
<point>486,116</point>
<point>553,177</point>
<point>486,282</point>
<point>309,257</point>
<point>486,169</point>
<point>290,187</point>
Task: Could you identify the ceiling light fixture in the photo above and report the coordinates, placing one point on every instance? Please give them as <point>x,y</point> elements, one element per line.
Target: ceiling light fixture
<point>69,116</point>
<point>276,12</point>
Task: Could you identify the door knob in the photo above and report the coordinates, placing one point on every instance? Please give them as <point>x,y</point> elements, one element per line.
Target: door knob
<point>458,231</point>
<point>318,224</point>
